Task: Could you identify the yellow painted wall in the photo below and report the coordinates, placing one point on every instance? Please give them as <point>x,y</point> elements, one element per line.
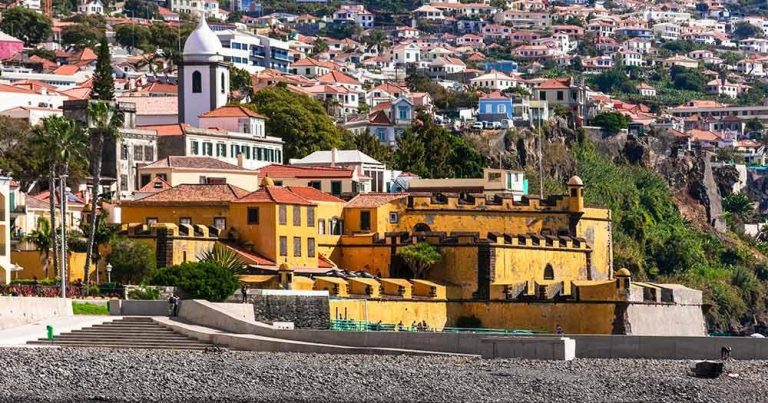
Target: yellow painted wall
<point>595,227</point>
<point>390,312</point>
<point>573,317</point>
<point>265,236</point>
<point>32,263</point>
<point>519,264</point>
<point>202,215</point>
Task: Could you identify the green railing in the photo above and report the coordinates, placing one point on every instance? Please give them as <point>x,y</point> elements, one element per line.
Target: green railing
<point>365,326</point>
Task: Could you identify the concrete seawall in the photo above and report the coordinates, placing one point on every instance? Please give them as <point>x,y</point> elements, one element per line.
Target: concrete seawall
<point>587,346</point>
<point>17,311</point>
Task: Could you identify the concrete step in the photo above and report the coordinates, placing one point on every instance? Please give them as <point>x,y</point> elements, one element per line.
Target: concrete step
<point>97,337</point>
<point>131,332</point>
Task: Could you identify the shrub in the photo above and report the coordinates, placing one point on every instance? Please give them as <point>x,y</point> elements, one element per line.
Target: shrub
<point>131,261</point>
<point>199,280</point>
<point>144,293</point>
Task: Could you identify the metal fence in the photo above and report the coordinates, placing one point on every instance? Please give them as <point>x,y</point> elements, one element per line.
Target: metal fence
<point>366,326</point>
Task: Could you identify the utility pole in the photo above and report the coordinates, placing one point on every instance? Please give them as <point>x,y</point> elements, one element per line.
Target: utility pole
<point>63,208</point>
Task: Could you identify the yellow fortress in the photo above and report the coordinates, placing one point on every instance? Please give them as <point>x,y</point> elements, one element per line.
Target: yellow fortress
<point>529,264</point>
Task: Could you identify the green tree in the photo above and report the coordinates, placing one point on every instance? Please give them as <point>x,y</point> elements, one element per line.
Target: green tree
<point>371,146</point>
<point>437,140</point>
<point>27,25</point>
<point>610,81</point>
<point>744,30</point>
<point>60,147</point>
<point>754,125</point>
<point>320,46</point>
<point>299,120</point>
<point>135,36</point>
<point>141,9</point>
<point>738,204</point>
<point>410,153</point>
<point>224,257</point>
<point>81,35</point>
<point>466,161</point>
<point>43,240</point>
<point>688,79</point>
<point>613,122</point>
<point>104,123</point>
<point>131,260</point>
<point>239,80</point>
<point>198,279</point>
<point>420,258</point>
<point>103,82</point>
<point>17,150</point>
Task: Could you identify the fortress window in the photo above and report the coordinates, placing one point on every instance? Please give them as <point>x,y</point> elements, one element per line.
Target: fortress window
<point>549,272</point>
<point>365,220</point>
<point>283,246</point>
<point>574,192</point>
<point>393,218</point>
<point>253,215</point>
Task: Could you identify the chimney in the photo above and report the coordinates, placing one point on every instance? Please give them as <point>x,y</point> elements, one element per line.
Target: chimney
<point>334,156</point>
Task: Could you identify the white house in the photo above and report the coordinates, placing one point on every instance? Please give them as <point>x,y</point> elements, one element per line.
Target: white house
<point>405,54</point>
<point>90,7</point>
<point>494,81</point>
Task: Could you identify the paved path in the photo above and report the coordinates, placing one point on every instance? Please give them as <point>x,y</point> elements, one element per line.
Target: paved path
<point>20,335</point>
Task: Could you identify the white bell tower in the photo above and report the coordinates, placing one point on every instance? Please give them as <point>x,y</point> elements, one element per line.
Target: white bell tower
<point>203,75</point>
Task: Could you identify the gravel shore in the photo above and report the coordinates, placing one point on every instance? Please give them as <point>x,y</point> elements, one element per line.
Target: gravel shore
<point>142,375</point>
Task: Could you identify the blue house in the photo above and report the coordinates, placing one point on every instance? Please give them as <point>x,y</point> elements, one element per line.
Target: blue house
<point>503,66</point>
<point>495,107</point>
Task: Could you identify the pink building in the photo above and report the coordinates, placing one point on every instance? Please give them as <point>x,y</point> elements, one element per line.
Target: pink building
<point>9,46</point>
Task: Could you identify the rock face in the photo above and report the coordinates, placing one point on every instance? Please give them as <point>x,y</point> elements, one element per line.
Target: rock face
<point>87,375</point>
<point>304,311</point>
<point>704,188</point>
<point>726,177</point>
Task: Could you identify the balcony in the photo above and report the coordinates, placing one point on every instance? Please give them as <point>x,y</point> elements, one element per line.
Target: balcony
<point>281,56</point>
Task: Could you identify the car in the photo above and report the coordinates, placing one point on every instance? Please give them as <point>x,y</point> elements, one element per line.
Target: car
<point>477,125</point>
<point>495,125</point>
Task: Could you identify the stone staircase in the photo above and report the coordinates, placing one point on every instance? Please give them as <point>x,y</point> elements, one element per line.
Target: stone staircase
<point>129,332</point>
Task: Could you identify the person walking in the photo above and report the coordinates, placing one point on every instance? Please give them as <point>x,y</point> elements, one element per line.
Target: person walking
<point>174,301</point>
<point>244,292</point>
<point>558,329</point>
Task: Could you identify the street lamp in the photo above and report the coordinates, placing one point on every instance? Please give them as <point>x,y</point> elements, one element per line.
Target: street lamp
<point>109,272</point>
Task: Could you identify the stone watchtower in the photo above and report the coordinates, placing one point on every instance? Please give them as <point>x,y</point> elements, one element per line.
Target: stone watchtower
<point>575,195</point>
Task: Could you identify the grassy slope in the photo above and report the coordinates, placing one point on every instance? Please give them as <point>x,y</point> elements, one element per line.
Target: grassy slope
<point>655,242</point>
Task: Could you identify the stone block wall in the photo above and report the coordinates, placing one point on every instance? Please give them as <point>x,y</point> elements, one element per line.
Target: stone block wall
<point>307,312</point>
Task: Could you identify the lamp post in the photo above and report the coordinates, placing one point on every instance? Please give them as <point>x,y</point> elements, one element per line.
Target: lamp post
<point>109,273</point>
<point>63,206</point>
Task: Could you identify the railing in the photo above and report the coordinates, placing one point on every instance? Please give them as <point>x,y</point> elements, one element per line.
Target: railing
<point>366,326</point>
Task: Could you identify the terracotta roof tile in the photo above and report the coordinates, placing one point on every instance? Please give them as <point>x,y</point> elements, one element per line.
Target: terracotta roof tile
<point>313,194</point>
<point>195,193</point>
<point>231,111</point>
<point>156,185</point>
<point>373,200</point>
<point>274,194</point>
<point>193,162</point>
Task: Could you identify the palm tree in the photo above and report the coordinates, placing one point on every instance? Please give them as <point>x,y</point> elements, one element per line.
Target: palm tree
<point>60,145</point>
<point>42,239</point>
<point>104,122</point>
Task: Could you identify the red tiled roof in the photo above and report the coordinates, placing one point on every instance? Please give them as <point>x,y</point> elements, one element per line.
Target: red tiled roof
<point>313,194</point>
<point>249,256</point>
<point>373,200</point>
<point>274,194</point>
<point>231,111</point>
<point>380,118</point>
<point>175,129</point>
<point>67,70</point>
<point>202,193</point>
<point>157,184</point>
<point>337,77</point>
<point>194,163</point>
<point>553,84</point>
